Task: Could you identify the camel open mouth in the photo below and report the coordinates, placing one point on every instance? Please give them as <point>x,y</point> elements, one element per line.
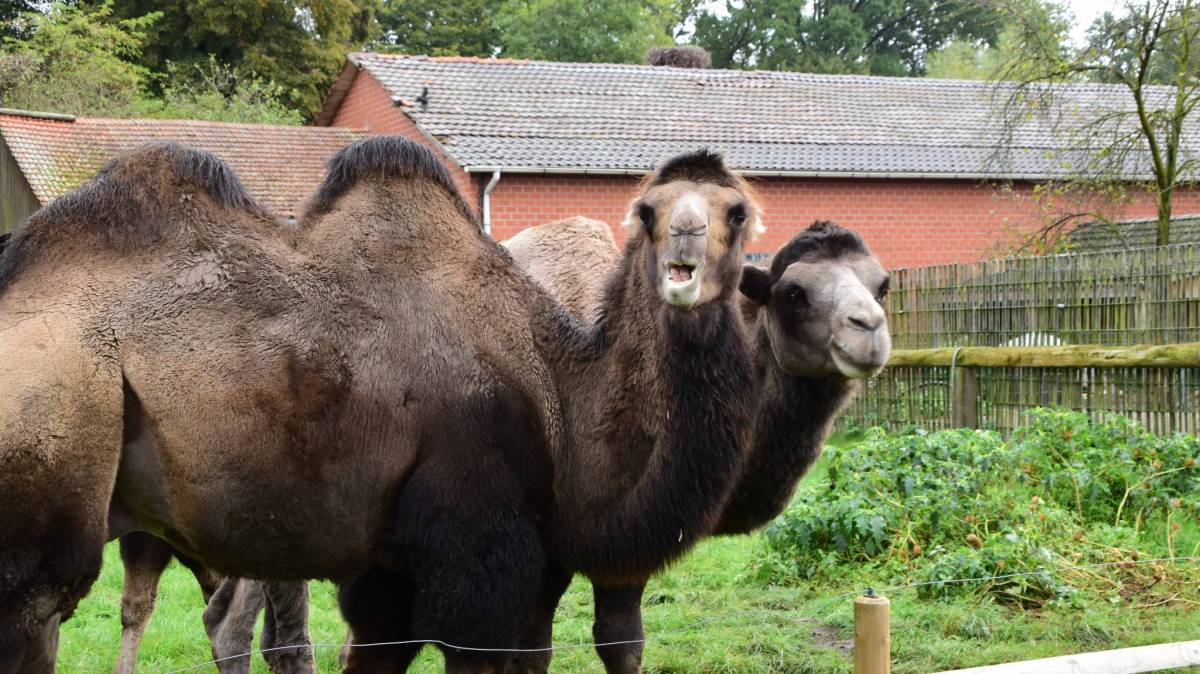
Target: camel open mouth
<point>681,284</point>
<point>681,273</point>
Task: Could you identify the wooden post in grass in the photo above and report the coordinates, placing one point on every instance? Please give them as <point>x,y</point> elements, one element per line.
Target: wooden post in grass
<point>872,635</point>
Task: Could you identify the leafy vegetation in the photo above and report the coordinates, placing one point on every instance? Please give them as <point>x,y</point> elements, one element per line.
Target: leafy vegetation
<point>744,604</point>
<point>877,37</point>
<point>964,504</point>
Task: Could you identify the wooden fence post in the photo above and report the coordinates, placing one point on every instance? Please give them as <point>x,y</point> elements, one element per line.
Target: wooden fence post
<point>964,399</point>
<point>872,635</point>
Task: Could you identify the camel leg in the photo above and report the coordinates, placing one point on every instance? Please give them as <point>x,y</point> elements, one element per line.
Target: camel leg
<point>229,621</point>
<point>619,619</point>
<point>208,579</point>
<point>60,446</point>
<point>378,607</point>
<point>540,633</point>
<point>144,558</point>
<point>286,624</point>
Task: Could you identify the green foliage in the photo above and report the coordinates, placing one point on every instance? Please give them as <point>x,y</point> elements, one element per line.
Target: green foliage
<point>298,44</point>
<point>619,31</point>
<point>80,60</point>
<point>965,504</point>
<point>1030,27</point>
<point>438,28</point>
<point>220,93</point>
<point>880,37</point>
<point>75,60</point>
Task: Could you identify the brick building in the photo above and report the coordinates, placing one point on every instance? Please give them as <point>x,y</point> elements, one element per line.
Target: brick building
<point>907,162</point>
<point>45,155</point>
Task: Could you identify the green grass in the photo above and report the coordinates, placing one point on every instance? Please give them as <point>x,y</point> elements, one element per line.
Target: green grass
<point>709,614</point>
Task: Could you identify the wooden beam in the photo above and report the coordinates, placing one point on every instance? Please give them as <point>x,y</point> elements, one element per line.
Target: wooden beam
<point>1165,355</point>
<point>1121,661</point>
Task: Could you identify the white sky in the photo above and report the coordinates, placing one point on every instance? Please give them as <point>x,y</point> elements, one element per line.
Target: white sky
<point>1085,12</point>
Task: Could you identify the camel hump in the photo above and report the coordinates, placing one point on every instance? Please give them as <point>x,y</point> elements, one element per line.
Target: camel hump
<point>570,258</point>
<point>381,158</point>
<point>133,204</point>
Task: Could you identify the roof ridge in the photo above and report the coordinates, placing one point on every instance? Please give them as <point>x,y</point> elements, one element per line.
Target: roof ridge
<point>37,114</point>
<point>774,74</point>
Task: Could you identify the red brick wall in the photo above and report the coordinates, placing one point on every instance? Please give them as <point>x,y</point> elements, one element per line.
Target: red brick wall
<point>906,222</point>
<point>368,106</point>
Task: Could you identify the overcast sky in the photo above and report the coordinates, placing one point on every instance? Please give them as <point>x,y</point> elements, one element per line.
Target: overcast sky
<point>1086,11</point>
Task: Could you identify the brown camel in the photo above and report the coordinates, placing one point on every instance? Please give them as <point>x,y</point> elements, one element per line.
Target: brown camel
<point>377,396</point>
<point>233,605</point>
<point>817,328</point>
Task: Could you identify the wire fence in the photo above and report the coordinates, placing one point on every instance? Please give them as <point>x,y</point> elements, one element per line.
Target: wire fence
<point>835,602</point>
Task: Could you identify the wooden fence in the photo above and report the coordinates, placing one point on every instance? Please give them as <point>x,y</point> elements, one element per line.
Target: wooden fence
<point>1136,298</point>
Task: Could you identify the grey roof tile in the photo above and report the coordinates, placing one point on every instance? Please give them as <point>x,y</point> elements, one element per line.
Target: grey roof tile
<point>538,115</point>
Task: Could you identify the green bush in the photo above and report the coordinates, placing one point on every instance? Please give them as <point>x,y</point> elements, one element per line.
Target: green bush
<point>963,504</point>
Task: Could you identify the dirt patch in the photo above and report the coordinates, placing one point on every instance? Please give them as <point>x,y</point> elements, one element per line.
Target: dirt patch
<point>824,635</point>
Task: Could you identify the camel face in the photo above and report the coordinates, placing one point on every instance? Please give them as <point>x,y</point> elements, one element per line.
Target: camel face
<point>696,216</point>
<point>824,297</point>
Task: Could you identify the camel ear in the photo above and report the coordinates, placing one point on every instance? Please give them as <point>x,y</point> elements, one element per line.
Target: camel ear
<point>756,284</point>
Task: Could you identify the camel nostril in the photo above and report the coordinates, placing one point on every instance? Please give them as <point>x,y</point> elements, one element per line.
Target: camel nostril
<point>864,322</point>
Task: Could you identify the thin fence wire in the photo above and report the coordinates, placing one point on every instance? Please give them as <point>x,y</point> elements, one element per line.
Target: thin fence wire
<point>773,613</point>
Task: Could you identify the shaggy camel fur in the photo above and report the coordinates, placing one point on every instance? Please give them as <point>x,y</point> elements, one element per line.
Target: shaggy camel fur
<point>377,396</point>
<point>818,327</point>
<point>574,275</point>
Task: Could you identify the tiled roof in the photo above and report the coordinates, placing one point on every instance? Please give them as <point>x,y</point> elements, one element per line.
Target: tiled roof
<point>1140,233</point>
<point>279,165</point>
<point>529,115</point>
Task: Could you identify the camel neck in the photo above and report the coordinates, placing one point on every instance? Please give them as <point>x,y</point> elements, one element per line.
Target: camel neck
<point>791,422</point>
<point>657,417</point>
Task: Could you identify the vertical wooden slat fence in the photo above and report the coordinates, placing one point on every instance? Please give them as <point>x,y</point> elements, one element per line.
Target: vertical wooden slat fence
<point>1120,298</point>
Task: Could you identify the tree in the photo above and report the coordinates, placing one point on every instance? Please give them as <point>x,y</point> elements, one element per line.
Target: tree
<point>221,93</point>
<point>1137,128</point>
<point>439,28</point>
<point>616,31</point>
<point>74,60</point>
<point>11,13</point>
<point>77,60</point>
<point>1043,21</point>
<point>298,44</point>
<point>881,37</point>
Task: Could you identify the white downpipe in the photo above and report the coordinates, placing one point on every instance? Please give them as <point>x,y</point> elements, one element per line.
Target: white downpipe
<point>487,202</point>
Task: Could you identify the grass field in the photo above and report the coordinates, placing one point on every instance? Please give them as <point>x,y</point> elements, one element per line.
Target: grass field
<point>710,613</point>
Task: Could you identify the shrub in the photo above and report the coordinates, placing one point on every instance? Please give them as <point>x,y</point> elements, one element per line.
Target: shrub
<point>964,504</point>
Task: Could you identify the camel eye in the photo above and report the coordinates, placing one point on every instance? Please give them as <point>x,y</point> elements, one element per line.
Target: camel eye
<point>737,216</point>
<point>795,297</point>
<point>883,290</point>
<point>646,215</point>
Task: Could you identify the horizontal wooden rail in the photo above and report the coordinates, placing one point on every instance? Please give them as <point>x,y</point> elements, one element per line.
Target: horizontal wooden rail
<point>1121,661</point>
<point>1166,355</point>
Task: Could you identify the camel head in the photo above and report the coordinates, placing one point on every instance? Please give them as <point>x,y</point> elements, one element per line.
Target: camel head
<point>694,216</point>
<point>823,301</point>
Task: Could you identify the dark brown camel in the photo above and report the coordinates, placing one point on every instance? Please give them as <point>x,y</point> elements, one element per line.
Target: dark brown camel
<point>233,605</point>
<point>377,396</point>
<point>817,327</point>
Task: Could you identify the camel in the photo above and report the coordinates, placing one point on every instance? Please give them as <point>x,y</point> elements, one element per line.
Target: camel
<point>817,329</point>
<point>376,396</point>
<point>232,608</point>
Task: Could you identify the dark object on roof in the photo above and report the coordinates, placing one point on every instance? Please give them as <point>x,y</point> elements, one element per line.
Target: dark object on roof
<point>679,57</point>
<point>530,116</point>
<point>1139,233</point>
